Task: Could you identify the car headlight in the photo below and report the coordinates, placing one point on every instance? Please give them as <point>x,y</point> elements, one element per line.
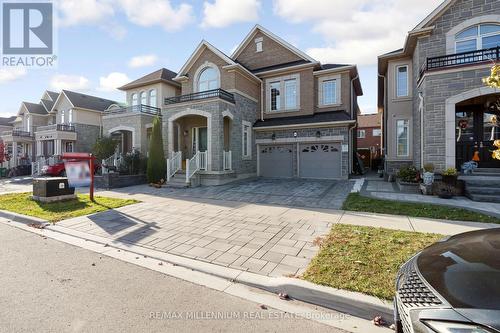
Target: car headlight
<point>45,168</point>
<point>449,327</point>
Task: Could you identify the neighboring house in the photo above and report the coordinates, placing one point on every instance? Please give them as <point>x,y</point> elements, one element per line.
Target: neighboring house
<point>6,124</point>
<point>131,124</point>
<point>268,109</point>
<point>73,124</point>
<point>436,108</point>
<point>19,141</point>
<point>369,142</point>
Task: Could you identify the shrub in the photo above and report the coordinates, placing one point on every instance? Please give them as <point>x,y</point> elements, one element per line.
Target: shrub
<point>104,148</point>
<point>132,164</point>
<point>156,162</point>
<point>408,174</point>
<point>429,167</point>
<point>450,172</point>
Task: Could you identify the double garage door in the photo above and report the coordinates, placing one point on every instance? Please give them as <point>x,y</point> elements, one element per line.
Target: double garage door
<point>316,160</point>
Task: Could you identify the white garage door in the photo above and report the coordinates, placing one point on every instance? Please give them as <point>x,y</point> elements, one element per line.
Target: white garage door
<point>320,160</point>
<point>276,161</point>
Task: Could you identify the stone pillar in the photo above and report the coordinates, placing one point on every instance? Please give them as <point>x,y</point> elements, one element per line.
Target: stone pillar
<point>39,148</point>
<point>14,152</point>
<point>216,132</point>
<point>58,147</point>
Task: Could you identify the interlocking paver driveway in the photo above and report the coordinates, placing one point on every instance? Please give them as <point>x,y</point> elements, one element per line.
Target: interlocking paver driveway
<point>266,239</point>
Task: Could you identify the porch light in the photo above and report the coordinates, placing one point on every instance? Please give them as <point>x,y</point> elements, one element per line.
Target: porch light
<point>273,137</point>
<point>318,134</point>
<point>295,134</point>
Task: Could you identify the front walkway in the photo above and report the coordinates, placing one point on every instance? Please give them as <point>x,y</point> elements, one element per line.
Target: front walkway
<point>264,239</point>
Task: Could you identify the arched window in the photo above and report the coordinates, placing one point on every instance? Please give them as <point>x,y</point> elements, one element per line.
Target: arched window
<point>208,79</point>
<point>478,37</point>
<point>144,98</point>
<point>152,97</point>
<point>134,99</point>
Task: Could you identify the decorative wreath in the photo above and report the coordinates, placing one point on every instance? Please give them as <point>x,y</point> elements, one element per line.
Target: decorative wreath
<point>463,124</point>
<point>494,120</point>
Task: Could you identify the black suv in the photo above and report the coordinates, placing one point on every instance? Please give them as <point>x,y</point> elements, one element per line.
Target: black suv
<point>453,286</point>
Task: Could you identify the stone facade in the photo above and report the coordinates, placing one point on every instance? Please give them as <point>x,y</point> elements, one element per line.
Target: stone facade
<point>86,137</point>
<point>137,123</point>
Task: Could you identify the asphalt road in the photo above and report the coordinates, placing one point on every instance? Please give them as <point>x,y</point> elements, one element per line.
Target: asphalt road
<point>48,286</point>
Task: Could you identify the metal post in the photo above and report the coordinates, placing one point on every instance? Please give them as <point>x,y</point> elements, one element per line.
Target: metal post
<point>91,177</point>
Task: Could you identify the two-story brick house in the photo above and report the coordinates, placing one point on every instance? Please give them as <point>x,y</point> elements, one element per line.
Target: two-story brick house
<point>269,109</point>
<point>436,108</point>
<point>369,141</point>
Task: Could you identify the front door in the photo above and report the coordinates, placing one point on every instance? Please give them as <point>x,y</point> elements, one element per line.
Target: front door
<point>199,139</point>
<point>476,130</point>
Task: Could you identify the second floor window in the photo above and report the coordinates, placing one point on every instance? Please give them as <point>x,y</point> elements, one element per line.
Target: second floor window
<point>208,79</point>
<point>402,81</point>
<point>28,125</point>
<point>329,89</point>
<point>133,99</point>
<point>70,116</point>
<point>283,94</point>
<point>483,36</point>
<point>361,134</point>
<point>144,98</point>
<point>62,117</point>
<point>152,97</point>
<point>377,132</point>
<point>290,94</point>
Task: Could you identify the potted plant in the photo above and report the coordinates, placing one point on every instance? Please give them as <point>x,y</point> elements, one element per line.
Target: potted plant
<point>444,191</point>
<point>407,179</point>
<point>450,176</point>
<point>428,174</point>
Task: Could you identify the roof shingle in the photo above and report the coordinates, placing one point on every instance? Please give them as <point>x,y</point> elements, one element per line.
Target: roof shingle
<point>88,102</point>
<point>161,75</point>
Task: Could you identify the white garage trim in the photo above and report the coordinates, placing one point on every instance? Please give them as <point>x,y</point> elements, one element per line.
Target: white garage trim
<point>124,128</point>
<point>337,138</point>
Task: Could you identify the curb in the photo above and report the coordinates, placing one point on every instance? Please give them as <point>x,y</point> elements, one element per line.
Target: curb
<point>215,276</point>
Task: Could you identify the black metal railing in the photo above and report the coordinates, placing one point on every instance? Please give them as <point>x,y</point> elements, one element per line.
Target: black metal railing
<point>460,59</point>
<point>141,108</point>
<point>21,133</point>
<point>215,93</point>
<point>65,128</point>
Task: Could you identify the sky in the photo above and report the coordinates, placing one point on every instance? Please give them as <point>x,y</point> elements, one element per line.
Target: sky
<point>103,44</point>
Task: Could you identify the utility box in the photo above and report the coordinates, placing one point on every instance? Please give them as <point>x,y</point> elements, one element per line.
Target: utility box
<point>51,189</point>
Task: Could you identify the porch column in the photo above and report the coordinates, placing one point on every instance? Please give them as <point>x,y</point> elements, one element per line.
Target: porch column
<point>14,152</point>
<point>39,151</point>
<point>58,147</point>
<point>215,128</point>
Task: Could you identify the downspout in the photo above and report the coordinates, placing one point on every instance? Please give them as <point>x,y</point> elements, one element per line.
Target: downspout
<point>261,100</point>
<point>351,151</point>
<point>384,123</point>
<point>421,107</point>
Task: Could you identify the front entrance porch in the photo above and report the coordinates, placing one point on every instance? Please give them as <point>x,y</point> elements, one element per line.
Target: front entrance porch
<point>195,146</point>
<point>477,127</point>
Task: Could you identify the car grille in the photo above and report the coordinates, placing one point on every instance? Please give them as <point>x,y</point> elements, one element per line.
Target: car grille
<point>413,294</point>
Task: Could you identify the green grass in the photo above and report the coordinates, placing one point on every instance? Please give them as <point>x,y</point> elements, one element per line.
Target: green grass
<point>22,203</point>
<point>365,259</point>
<point>359,203</point>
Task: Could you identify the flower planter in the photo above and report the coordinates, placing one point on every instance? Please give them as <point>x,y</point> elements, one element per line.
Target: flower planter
<point>450,180</point>
<point>408,187</point>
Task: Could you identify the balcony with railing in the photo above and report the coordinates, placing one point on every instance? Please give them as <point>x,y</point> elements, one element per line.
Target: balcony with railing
<point>17,132</point>
<point>460,59</point>
<point>133,109</point>
<point>56,127</point>
<point>214,93</point>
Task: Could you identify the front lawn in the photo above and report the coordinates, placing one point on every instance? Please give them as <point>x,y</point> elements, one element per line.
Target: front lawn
<point>56,211</point>
<point>359,203</point>
<point>365,259</point>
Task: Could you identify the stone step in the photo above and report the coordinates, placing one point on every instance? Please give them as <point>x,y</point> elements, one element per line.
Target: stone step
<point>480,181</point>
<point>487,170</point>
<point>485,173</point>
<point>484,197</point>
<point>483,190</point>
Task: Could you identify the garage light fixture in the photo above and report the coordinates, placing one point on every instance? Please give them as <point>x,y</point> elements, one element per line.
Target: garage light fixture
<point>295,134</point>
<point>318,134</point>
<point>273,137</point>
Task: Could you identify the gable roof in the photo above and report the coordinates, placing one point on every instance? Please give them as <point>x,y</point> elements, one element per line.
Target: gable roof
<point>83,101</point>
<point>48,105</point>
<point>7,121</point>
<point>274,37</point>
<point>160,75</point>
<point>35,108</point>
<point>197,52</point>
<point>434,14</point>
<point>53,95</point>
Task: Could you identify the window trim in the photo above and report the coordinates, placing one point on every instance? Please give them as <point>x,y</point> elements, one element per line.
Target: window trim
<point>361,136</point>
<point>259,47</point>
<point>155,97</point>
<point>244,124</point>
<point>379,132</point>
<point>134,99</point>
<point>408,146</point>
<point>407,81</point>
<point>141,95</point>
<point>200,70</point>
<point>282,102</point>
<point>338,87</point>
